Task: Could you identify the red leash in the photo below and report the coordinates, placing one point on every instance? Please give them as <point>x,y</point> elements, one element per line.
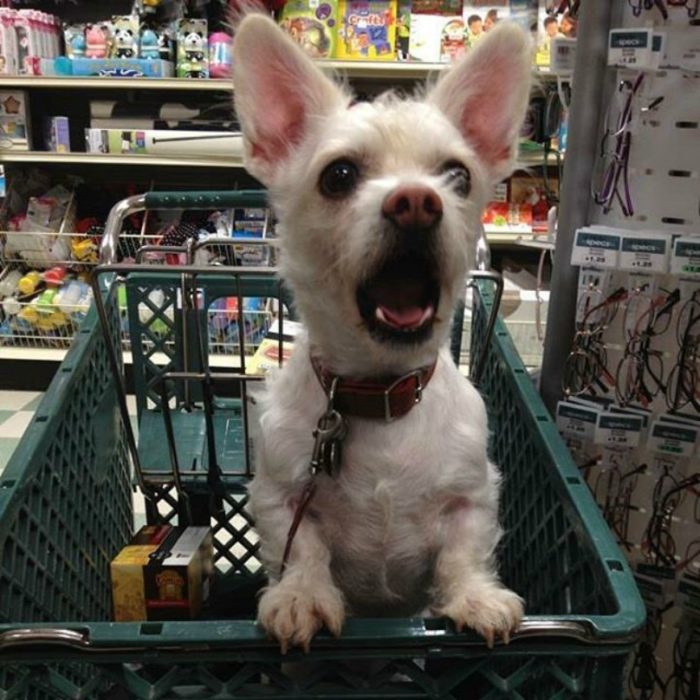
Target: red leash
<point>306,497</point>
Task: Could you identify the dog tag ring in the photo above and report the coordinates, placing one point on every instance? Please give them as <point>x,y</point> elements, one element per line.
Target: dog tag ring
<point>328,436</point>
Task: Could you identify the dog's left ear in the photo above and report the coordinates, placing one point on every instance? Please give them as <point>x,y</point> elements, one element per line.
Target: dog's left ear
<point>278,91</point>
<point>485,95</point>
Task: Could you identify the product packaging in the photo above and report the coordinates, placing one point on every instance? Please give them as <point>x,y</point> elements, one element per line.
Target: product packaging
<point>192,49</point>
<point>313,25</point>
<point>14,124</point>
<point>165,573</point>
<point>367,30</point>
<point>125,36</point>
<point>57,134</point>
<point>74,37</point>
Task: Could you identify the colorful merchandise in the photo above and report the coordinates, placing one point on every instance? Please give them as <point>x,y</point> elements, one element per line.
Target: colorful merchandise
<point>57,134</point>
<point>74,37</point>
<point>14,125</point>
<point>367,30</point>
<point>220,55</point>
<point>313,25</point>
<point>148,45</point>
<point>437,38</point>
<point>125,37</point>
<point>403,29</point>
<point>164,573</point>
<point>192,49</point>
<point>96,41</point>
<point>551,26</point>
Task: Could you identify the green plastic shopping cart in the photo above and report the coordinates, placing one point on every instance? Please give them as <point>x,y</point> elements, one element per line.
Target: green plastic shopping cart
<point>66,510</point>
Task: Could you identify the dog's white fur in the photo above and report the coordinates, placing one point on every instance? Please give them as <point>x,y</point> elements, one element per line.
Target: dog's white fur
<point>411,522</point>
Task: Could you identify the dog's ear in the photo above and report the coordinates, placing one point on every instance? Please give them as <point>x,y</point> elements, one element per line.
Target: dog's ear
<point>485,94</point>
<point>278,91</point>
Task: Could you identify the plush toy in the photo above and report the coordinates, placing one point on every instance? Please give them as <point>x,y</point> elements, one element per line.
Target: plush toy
<point>124,43</point>
<point>149,45</point>
<point>96,41</point>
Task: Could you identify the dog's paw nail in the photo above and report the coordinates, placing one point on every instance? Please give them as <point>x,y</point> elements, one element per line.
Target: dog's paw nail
<point>489,637</point>
<point>506,636</point>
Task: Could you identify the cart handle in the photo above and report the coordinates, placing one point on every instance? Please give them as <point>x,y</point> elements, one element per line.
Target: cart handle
<point>533,629</point>
<point>224,199</point>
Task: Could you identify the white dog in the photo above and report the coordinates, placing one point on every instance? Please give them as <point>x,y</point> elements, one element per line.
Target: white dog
<point>378,207</point>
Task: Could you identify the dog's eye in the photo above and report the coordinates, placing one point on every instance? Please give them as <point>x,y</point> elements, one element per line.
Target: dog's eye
<point>339,178</point>
<point>458,177</point>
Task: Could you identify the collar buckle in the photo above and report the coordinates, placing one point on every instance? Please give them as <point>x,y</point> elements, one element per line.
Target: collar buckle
<point>416,374</point>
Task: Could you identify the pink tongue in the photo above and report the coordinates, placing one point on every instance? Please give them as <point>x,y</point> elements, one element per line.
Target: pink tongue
<point>403,318</point>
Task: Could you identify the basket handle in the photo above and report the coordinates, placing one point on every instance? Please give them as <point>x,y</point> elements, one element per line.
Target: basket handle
<point>63,637</point>
<point>227,199</point>
<point>208,199</point>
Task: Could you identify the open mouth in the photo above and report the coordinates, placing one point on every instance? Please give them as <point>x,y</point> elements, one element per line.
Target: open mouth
<point>398,303</point>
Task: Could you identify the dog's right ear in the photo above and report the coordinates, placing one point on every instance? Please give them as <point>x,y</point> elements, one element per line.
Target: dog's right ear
<point>278,91</point>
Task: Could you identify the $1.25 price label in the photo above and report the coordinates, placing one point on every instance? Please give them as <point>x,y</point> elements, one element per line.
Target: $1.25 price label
<point>594,249</point>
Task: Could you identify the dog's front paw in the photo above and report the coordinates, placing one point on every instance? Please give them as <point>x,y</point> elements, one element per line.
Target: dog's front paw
<point>492,611</point>
<point>292,614</point>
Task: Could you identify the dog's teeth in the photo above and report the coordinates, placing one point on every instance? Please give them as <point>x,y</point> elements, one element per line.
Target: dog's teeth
<point>379,314</point>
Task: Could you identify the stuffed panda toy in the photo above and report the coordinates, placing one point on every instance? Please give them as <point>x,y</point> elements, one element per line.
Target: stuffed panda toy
<point>124,43</point>
<point>194,47</point>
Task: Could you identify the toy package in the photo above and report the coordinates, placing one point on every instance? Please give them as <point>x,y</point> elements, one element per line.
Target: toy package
<point>550,27</point>
<point>97,40</point>
<point>57,134</point>
<point>165,573</point>
<point>192,49</point>
<point>74,37</point>
<point>125,37</point>
<point>403,29</point>
<point>367,30</point>
<point>14,118</point>
<point>480,16</point>
<point>437,38</point>
<point>313,25</point>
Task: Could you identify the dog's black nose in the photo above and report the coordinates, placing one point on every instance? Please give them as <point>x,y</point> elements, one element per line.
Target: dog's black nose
<point>413,206</point>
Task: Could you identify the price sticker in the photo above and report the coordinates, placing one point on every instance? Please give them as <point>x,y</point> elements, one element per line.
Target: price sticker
<point>595,249</point>
<point>576,421</point>
<point>645,253</point>
<point>618,431</point>
<point>631,48</point>
<point>676,440</point>
<point>686,256</point>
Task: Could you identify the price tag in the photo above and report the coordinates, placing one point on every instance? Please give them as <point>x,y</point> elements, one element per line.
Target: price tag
<point>618,431</point>
<point>677,440</point>
<point>645,253</point>
<point>576,421</point>
<point>563,55</point>
<point>686,256</point>
<point>596,249</point>
<point>630,48</point>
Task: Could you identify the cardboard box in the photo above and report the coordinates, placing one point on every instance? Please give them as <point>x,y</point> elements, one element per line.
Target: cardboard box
<point>313,25</point>
<point>165,573</point>
<point>58,134</point>
<point>14,125</point>
<point>367,30</point>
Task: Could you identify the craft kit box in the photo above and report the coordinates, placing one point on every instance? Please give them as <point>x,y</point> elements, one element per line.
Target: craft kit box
<point>164,573</point>
<point>367,30</point>
<point>313,24</point>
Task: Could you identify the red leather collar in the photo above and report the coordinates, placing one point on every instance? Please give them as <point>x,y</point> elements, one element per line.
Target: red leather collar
<point>385,398</point>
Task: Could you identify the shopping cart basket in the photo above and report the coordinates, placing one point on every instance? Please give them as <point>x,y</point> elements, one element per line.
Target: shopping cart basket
<point>66,510</point>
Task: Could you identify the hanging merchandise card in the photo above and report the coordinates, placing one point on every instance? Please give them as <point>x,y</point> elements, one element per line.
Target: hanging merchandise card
<point>686,256</point>
<point>677,440</point>
<point>596,248</point>
<point>631,48</point>
<point>615,430</point>
<point>649,253</point>
<point>576,421</point>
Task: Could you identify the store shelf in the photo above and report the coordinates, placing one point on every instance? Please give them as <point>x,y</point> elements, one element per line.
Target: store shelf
<point>105,83</point>
<point>126,159</point>
<point>527,159</point>
<point>386,70</point>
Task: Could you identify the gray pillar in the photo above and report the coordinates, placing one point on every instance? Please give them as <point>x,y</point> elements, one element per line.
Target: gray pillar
<point>587,106</point>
